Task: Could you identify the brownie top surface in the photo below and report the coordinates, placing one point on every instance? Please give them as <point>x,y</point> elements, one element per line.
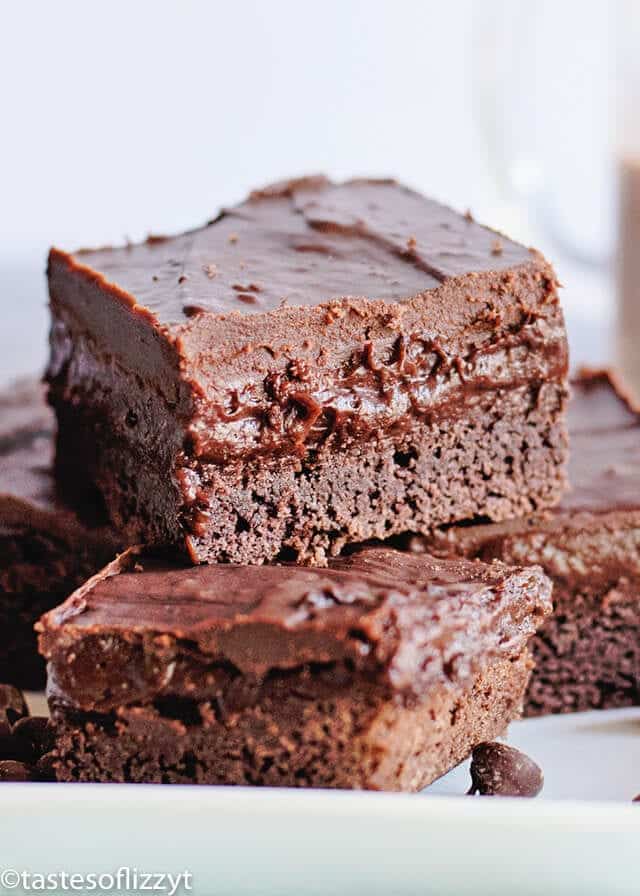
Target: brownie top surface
<point>600,403</point>
<point>415,617</point>
<point>604,465</point>
<point>156,594</point>
<point>304,243</point>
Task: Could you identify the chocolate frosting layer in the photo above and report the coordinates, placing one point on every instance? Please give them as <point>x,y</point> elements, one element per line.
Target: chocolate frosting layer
<point>305,242</point>
<point>411,621</point>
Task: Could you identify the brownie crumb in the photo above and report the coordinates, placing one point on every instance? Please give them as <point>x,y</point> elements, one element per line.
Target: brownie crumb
<point>497,248</point>
<point>500,770</point>
<point>210,270</point>
<point>233,237</point>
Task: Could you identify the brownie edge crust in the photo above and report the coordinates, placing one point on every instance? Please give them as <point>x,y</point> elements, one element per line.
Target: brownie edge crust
<point>300,374</point>
<point>380,672</point>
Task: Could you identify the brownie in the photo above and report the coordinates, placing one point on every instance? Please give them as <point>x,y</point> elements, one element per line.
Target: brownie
<point>588,653</point>
<point>46,549</point>
<point>382,671</point>
<point>320,365</point>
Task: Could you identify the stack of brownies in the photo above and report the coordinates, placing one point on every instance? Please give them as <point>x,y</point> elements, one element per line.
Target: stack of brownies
<point>247,412</point>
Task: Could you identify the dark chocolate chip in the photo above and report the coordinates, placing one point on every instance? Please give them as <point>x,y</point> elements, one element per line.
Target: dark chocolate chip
<point>500,770</point>
<point>12,704</point>
<point>636,799</point>
<point>33,737</point>
<point>11,770</point>
<point>193,310</point>
<point>8,744</point>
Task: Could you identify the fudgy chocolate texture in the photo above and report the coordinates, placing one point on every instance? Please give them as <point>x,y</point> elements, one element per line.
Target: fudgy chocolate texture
<point>381,671</point>
<point>46,549</point>
<point>295,375</point>
<point>588,653</point>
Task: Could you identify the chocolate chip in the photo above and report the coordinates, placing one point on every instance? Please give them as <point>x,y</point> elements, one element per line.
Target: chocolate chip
<point>12,704</point>
<point>7,742</point>
<point>500,770</point>
<point>33,737</point>
<point>636,799</point>
<point>193,310</point>
<point>11,770</point>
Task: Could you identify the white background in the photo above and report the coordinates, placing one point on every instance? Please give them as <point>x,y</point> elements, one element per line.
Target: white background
<point>122,118</point>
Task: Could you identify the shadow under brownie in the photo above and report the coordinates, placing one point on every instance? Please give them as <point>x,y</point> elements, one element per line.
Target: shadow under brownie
<point>381,672</point>
<point>320,365</point>
<point>46,550</point>
<point>587,654</point>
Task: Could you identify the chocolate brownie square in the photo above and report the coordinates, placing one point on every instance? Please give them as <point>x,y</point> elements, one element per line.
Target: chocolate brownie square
<point>320,365</point>
<point>382,671</point>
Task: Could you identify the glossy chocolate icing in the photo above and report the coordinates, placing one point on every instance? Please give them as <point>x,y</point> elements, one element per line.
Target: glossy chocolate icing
<point>305,242</point>
<point>411,621</point>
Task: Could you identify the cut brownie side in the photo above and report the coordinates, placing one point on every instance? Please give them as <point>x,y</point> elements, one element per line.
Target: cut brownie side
<point>588,653</point>
<point>307,371</point>
<point>46,550</point>
<point>381,672</point>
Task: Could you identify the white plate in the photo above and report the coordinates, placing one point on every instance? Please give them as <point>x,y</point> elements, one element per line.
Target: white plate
<point>582,835</point>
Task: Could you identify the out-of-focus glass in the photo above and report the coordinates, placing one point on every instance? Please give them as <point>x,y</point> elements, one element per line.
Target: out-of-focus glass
<point>557,94</point>
<point>628,152</point>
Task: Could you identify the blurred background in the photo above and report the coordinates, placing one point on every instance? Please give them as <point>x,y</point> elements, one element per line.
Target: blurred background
<point>125,118</point>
